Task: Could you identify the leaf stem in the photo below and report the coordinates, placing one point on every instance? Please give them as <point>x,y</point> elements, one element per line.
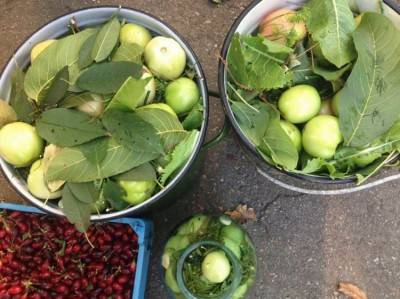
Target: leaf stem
<point>241,98</point>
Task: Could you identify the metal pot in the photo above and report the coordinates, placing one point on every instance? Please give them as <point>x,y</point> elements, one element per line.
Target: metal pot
<point>90,17</point>
<point>247,23</point>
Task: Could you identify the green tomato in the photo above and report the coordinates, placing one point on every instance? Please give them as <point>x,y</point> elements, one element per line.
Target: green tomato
<point>335,103</point>
<point>161,106</point>
<point>364,160</point>
<point>232,246</point>
<point>20,144</point>
<point>178,242</point>
<point>93,108</point>
<point>137,191</point>
<point>293,132</point>
<point>240,291</point>
<point>40,47</point>
<point>233,232</point>
<point>321,136</point>
<point>216,267</point>
<point>135,34</point>
<point>193,225</point>
<point>182,94</point>
<point>37,184</point>
<point>165,58</point>
<point>299,103</point>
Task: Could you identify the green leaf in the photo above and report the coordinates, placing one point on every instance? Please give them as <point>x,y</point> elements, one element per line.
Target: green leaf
<point>168,127</point>
<point>114,194</point>
<point>67,127</point>
<point>331,74</point>
<point>180,155</point>
<point>128,52</point>
<point>84,192</point>
<point>63,52</point>
<point>256,63</point>
<point>71,164</point>
<point>144,172</point>
<point>85,54</point>
<point>97,153</point>
<point>194,119</point>
<point>23,107</point>
<point>369,101</point>
<point>74,73</point>
<point>130,95</point>
<point>131,131</point>
<point>276,143</point>
<point>77,212</point>
<point>106,40</point>
<point>56,88</point>
<point>253,122</point>
<point>331,23</point>
<point>108,77</point>
<point>75,100</point>
<point>300,65</point>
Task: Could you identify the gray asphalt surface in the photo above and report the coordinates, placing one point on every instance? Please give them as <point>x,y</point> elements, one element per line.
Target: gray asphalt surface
<point>306,244</point>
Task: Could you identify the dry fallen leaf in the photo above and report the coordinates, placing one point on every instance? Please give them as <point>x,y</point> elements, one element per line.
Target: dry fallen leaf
<point>242,214</point>
<point>352,291</point>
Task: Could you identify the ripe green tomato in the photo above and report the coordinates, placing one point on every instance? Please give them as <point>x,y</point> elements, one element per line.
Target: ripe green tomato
<point>299,103</point>
<point>293,132</point>
<point>20,144</point>
<point>216,267</point>
<point>181,95</point>
<point>233,232</point>
<point>193,225</point>
<point>161,106</point>
<point>39,48</point>
<point>364,160</point>
<point>165,58</point>
<point>321,136</point>
<point>232,246</point>
<point>137,191</point>
<point>134,34</point>
<point>37,184</point>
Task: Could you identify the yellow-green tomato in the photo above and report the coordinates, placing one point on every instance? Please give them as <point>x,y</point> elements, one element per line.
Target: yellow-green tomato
<point>37,184</point>
<point>181,95</point>
<point>161,106</point>
<point>39,48</point>
<point>135,34</point>
<point>137,191</point>
<point>216,267</point>
<point>165,58</point>
<point>299,103</point>
<point>321,136</point>
<point>293,132</point>
<point>20,144</point>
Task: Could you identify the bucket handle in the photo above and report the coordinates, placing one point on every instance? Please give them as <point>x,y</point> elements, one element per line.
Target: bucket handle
<point>223,131</point>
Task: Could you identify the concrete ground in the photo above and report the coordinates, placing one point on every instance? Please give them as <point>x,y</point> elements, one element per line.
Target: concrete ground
<point>306,244</point>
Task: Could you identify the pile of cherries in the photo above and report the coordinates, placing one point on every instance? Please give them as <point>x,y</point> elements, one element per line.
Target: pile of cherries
<point>46,257</point>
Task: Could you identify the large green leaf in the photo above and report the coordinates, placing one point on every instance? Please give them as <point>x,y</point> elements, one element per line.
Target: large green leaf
<point>168,127</point>
<point>128,52</point>
<point>277,144</point>
<point>331,23</point>
<point>130,95</point>
<point>67,127</point>
<point>85,53</point>
<point>77,211</point>
<point>63,52</point>
<point>144,172</point>
<point>57,88</point>
<point>369,102</point>
<point>180,155</point>
<point>133,132</point>
<point>331,74</point>
<point>71,164</point>
<point>106,40</point>
<point>107,77</point>
<point>253,121</point>
<point>23,107</point>
<point>256,63</point>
